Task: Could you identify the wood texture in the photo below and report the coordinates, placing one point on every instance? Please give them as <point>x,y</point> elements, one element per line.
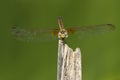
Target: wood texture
<point>69,63</point>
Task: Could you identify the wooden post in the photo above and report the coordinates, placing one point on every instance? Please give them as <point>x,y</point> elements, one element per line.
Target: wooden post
<point>69,63</point>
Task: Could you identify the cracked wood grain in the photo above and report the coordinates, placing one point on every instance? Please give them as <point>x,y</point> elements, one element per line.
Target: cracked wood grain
<point>69,63</point>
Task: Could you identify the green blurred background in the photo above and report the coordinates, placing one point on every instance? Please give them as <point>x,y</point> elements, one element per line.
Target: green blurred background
<point>21,60</point>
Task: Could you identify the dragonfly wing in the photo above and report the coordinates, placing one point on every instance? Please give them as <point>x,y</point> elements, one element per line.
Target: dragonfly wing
<point>91,30</point>
<point>34,34</point>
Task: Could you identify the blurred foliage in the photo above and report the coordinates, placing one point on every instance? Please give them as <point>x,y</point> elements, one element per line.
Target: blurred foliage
<point>21,60</point>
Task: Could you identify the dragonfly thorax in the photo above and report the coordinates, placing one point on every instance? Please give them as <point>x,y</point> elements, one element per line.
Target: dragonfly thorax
<point>62,34</point>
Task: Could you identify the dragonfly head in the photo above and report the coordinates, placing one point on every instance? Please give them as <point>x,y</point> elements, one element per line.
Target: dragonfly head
<point>62,34</point>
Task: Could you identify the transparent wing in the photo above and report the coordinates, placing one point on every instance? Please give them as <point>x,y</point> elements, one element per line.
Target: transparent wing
<point>34,34</point>
<point>91,30</point>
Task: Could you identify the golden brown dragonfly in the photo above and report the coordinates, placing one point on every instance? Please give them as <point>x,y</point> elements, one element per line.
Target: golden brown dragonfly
<point>61,33</point>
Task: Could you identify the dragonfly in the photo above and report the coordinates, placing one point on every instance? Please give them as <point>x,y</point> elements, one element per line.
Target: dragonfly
<point>60,33</point>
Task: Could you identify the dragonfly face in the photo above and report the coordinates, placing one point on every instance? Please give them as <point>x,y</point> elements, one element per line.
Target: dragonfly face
<point>46,34</point>
<point>62,34</point>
